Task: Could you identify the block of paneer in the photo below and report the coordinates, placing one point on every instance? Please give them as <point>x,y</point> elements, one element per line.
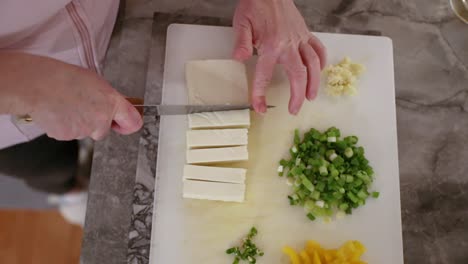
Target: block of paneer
<point>214,174</point>
<point>221,119</point>
<point>217,191</point>
<point>216,82</point>
<point>217,138</point>
<point>217,155</point>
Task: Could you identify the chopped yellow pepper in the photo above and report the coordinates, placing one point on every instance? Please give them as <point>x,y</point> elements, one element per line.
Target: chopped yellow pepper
<point>349,253</point>
<point>292,255</point>
<point>316,258</point>
<point>305,258</point>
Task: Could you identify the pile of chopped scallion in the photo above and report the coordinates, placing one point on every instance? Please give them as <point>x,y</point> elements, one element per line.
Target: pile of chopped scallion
<point>328,174</point>
<point>248,251</point>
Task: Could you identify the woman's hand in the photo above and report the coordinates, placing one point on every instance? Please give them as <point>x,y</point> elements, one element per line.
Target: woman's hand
<point>278,32</point>
<point>66,101</point>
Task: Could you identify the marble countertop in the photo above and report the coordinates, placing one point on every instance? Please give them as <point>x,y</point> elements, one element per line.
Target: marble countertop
<point>431,60</point>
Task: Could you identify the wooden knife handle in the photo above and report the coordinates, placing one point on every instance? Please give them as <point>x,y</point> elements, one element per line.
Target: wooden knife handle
<point>137,101</point>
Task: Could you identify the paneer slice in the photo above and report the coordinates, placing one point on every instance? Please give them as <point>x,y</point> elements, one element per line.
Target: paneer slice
<point>217,155</point>
<point>222,119</point>
<point>218,191</point>
<point>216,138</point>
<point>214,174</point>
<point>228,78</point>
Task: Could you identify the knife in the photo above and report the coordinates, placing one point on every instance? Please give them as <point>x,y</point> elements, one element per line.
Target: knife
<point>158,110</point>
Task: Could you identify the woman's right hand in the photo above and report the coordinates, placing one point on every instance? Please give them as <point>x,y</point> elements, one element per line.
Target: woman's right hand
<point>66,101</point>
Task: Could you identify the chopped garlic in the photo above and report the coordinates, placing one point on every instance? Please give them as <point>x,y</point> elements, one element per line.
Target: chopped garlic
<point>342,77</point>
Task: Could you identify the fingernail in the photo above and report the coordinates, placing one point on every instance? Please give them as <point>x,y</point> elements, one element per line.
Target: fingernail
<point>259,105</point>
<point>263,107</point>
<point>135,116</point>
<point>312,96</point>
<point>293,111</point>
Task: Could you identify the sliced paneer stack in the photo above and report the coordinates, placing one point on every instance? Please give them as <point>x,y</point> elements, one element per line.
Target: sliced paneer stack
<point>214,174</point>
<point>217,191</point>
<point>217,155</point>
<point>222,119</point>
<point>216,138</point>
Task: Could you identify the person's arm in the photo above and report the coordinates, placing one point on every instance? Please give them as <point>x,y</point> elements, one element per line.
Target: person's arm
<point>278,32</point>
<point>66,101</point>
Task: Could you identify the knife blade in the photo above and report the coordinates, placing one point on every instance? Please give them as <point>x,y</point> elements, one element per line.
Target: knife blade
<point>158,110</point>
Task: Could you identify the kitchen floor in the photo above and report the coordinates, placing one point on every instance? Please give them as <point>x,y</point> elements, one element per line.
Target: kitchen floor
<point>38,237</point>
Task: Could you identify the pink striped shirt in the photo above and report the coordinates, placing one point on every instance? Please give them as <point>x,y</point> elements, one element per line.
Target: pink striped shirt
<point>73,31</point>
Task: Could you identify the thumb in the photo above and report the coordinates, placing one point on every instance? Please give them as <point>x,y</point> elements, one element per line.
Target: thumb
<point>127,119</point>
<point>243,47</point>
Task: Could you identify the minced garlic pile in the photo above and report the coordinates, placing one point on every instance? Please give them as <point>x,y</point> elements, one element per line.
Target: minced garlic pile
<point>342,77</point>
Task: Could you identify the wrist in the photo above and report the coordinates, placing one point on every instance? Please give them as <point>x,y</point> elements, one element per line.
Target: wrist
<point>16,83</point>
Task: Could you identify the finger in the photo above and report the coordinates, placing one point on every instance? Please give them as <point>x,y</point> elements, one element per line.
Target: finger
<point>100,133</point>
<point>297,75</point>
<point>126,119</point>
<point>243,48</point>
<point>311,60</point>
<point>263,74</point>
<point>319,49</point>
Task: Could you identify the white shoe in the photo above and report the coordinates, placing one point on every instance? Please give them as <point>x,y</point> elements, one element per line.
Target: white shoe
<point>72,206</point>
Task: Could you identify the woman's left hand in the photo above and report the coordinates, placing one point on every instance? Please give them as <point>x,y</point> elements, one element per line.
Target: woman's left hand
<point>278,32</point>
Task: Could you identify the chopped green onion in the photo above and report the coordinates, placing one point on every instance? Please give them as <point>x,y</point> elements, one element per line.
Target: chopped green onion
<point>343,206</point>
<point>315,195</point>
<point>320,186</point>
<point>297,137</point>
<point>297,182</point>
<point>361,194</point>
<point>323,170</point>
<point>298,161</point>
<point>231,250</point>
<point>375,194</point>
<point>352,197</point>
<point>351,140</point>
<point>247,251</point>
<point>311,216</point>
<point>327,173</point>
<point>294,149</point>
<point>307,183</point>
<point>348,152</point>
<point>320,203</point>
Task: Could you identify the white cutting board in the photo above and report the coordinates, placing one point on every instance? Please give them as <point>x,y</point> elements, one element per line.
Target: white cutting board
<point>195,232</point>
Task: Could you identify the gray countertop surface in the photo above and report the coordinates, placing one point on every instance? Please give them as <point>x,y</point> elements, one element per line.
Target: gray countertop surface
<point>431,60</point>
